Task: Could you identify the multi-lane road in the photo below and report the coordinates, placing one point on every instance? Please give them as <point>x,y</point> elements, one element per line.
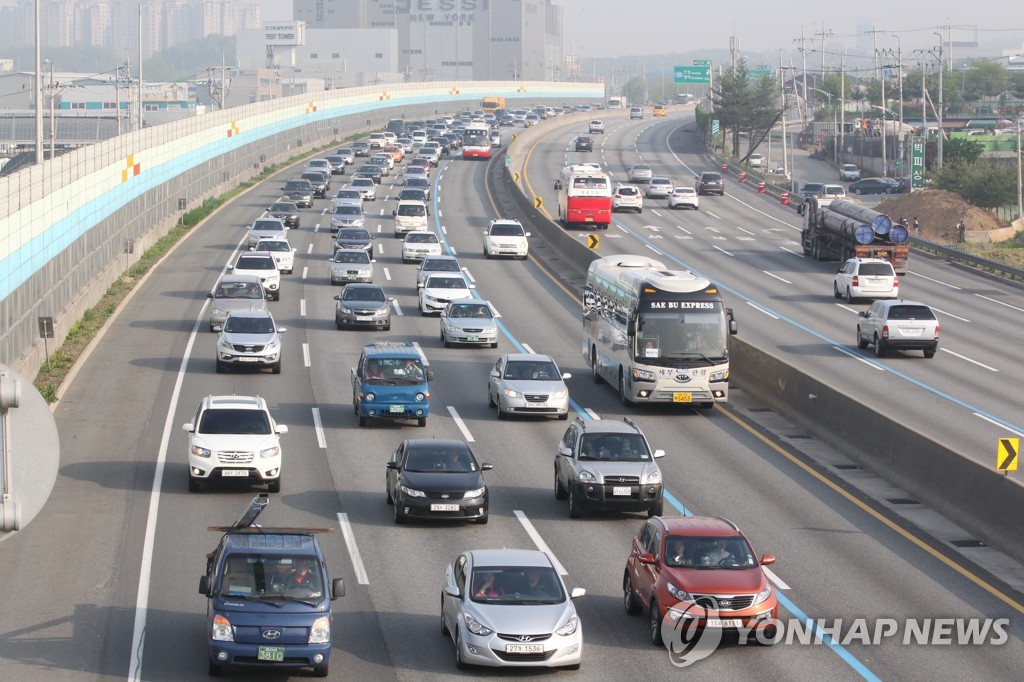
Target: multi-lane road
<point>103,583</point>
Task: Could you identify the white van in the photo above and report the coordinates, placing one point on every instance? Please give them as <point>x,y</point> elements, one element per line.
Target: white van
<point>410,216</point>
<point>830,193</point>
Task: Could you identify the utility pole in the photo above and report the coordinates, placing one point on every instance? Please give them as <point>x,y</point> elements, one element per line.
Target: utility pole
<point>117,96</point>
<point>140,66</point>
<point>823,34</point>
<point>842,102</point>
<point>942,132</point>
<point>1020,196</point>
<point>782,84</point>
<point>885,166</point>
<point>38,87</point>
<point>803,55</point>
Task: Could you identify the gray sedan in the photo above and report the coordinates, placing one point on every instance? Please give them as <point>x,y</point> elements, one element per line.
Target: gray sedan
<point>363,305</point>
<point>469,322</point>
<point>351,265</point>
<point>526,383</point>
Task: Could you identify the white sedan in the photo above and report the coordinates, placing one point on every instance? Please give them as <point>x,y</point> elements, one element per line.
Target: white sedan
<point>440,289</point>
<point>683,197</point>
<point>418,245</point>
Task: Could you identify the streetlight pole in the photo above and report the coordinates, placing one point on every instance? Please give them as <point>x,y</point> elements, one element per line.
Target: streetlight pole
<point>53,129</point>
<point>938,159</point>
<point>38,87</point>
<point>1020,197</point>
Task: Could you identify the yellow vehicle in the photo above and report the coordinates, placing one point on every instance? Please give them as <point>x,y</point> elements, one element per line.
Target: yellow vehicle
<point>660,110</point>
<point>490,104</point>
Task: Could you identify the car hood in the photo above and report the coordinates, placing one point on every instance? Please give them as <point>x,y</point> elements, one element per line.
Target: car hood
<point>447,294</point>
<point>262,274</point>
<point>236,441</point>
<point>472,322</point>
<point>434,482</point>
<point>364,305</point>
<point>239,304</point>
<point>604,469</point>
<point>352,243</point>
<point>335,265</point>
<point>247,339</point>
<point>533,385</point>
<point>522,619</point>
<point>717,580</point>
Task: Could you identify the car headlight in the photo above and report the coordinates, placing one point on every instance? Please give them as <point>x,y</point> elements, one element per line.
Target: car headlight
<point>720,375</point>
<point>570,627</point>
<point>224,344</point>
<point>681,595</point>
<point>475,626</point>
<point>653,477</point>
<point>219,311</point>
<point>469,494</point>
<point>320,633</point>
<point>200,451</point>
<point>450,329</point>
<point>273,344</point>
<point>642,375</point>
<point>763,594</point>
<point>412,492</point>
<point>560,393</point>
<point>420,397</point>
<point>270,452</point>
<point>345,310</point>
<point>512,394</point>
<point>587,476</point>
<point>221,631</point>
<point>294,216</point>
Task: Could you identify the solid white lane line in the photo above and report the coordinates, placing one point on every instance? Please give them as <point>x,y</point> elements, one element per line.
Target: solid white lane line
<point>795,253</point>
<point>398,308</point>
<point>722,250</point>
<point>964,357</point>
<point>539,541</point>
<point>527,348</point>
<point>353,549</point>
<point>416,345</point>
<point>387,274</point>
<point>461,424</point>
<point>712,215</point>
<point>469,276</point>
<point>762,310</point>
<point>858,358</point>
<point>305,354</point>
<point>593,415</point>
<point>776,277</point>
<point>774,578</point>
<point>945,284</point>
<point>956,317</point>
<point>318,426</point>
<point>302,307</point>
<point>1001,303</point>
<point>995,423</point>
<point>305,271</point>
<point>310,249</point>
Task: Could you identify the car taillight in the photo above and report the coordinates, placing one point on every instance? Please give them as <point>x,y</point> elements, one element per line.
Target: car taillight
<point>895,281</point>
<point>936,331</point>
<point>885,332</point>
<point>854,281</point>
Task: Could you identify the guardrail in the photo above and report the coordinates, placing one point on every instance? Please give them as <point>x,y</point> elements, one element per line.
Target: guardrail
<point>974,496</point>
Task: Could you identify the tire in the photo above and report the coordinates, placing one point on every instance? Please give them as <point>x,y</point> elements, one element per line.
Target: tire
<point>929,352</point>
<point>490,401</point>
<point>277,368</point>
<point>574,666</point>
<point>654,624</point>
<point>626,402</point>
<point>339,325</point>
<point>194,484</point>
<point>444,625</point>
<point>861,343</point>
<point>274,486</point>
<point>481,520</point>
<point>835,291</point>
<point>459,663</point>
<point>560,492</point>
<point>575,511</point>
<point>387,493</point>
<point>849,295</point>
<point>858,191</point>
<point>494,345</point>
<point>563,417</point>
<point>214,670</point>
<point>633,607</point>
<point>879,347</point>
<point>220,367</point>
<point>400,517</point>
<point>656,510</point>
<point>501,413</point>
<point>387,327</point>
<point>362,421</point>
<point>421,422</point>
<point>322,671</point>
<point>594,374</point>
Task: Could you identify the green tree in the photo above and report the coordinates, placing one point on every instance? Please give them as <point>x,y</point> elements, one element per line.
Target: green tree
<point>987,182</point>
<point>986,79</point>
<point>742,106</point>
<point>961,150</point>
<point>634,90</point>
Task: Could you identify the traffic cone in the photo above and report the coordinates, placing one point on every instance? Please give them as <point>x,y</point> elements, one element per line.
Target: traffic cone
<point>762,187</point>
<point>725,168</point>
<point>743,176</point>
<point>784,199</point>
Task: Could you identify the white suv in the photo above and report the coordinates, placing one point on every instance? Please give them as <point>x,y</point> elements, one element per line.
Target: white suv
<point>281,250</point>
<point>410,216</point>
<point>596,126</point>
<point>902,325</point>
<point>506,238</point>
<point>849,172</point>
<point>866,278</point>
<point>249,338</point>
<point>263,266</point>
<point>627,198</point>
<point>234,437</point>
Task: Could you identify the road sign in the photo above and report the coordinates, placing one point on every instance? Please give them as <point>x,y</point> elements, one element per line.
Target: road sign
<point>1006,454</point>
<point>702,62</point>
<point>694,75</point>
<point>849,149</point>
<point>513,137</point>
<point>916,161</point>
<point>714,126</point>
<point>756,73</point>
<point>508,161</point>
<point>593,241</point>
<point>538,202</point>
<point>515,177</point>
<point>45,327</point>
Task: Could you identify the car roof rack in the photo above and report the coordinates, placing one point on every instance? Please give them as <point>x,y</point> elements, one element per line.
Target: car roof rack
<point>632,423</point>
<point>731,524</point>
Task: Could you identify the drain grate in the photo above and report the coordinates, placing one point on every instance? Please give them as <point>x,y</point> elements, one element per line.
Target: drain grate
<point>849,467</point>
<point>902,500</point>
<point>968,543</point>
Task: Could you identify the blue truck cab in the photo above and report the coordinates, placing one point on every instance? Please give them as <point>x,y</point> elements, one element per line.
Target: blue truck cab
<point>391,382</point>
<point>268,604</point>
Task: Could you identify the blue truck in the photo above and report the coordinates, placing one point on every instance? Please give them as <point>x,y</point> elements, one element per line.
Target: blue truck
<point>390,381</point>
<point>268,604</point>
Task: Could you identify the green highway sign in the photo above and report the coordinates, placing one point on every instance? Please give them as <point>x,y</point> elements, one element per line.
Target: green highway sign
<point>714,126</point>
<point>693,75</point>
<point>702,62</point>
<point>916,162</point>
<point>756,73</point>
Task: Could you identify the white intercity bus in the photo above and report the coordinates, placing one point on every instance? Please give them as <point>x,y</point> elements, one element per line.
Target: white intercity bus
<point>657,335</point>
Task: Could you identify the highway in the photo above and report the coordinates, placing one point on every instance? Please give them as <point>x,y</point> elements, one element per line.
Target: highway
<point>103,584</point>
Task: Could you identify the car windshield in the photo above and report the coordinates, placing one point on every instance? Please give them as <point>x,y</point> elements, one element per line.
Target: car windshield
<point>313,177</point>
<point>345,151</point>
<point>911,312</point>
<point>255,263</point>
<point>441,460</point>
<point>268,226</point>
<point>670,337</point>
<point>352,257</point>
<point>641,167</point>
<point>471,310</point>
<point>614,447</point>
<point>263,577</point>
<point>353,233</point>
<point>446,283</point>
<point>440,265</point>
<point>284,207</point>
<point>348,194</point>
<point>522,585</point>
<point>347,210</point>
<point>421,238</point>
<point>335,159</point>
<point>394,371</point>
<point>412,210</point>
<point>297,185</point>
<point>533,370</point>
<point>362,182</point>
<point>411,195</point>
<point>710,177</point>
<point>249,325</point>
<point>352,293</point>
<point>273,246</point>
<point>246,290</point>
<point>416,182</point>
<point>730,552</point>
<point>235,421</point>
<point>507,230</point>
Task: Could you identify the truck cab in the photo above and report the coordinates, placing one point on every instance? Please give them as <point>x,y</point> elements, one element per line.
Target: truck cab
<point>390,381</point>
<point>268,596</point>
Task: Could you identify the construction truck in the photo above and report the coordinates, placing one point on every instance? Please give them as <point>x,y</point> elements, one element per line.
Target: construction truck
<point>843,230</point>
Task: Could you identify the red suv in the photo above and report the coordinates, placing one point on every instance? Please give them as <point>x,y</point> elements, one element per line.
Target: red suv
<point>699,568</point>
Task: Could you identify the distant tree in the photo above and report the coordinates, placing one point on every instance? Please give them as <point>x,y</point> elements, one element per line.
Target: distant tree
<point>987,182</point>
<point>634,89</point>
<point>184,61</point>
<point>958,151</point>
<point>742,106</point>
<point>986,79</point>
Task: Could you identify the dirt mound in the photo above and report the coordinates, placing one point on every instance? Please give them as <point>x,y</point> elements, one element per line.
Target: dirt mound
<point>938,213</point>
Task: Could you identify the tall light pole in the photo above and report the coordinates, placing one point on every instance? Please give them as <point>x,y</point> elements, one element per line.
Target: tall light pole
<point>1020,197</point>
<point>942,132</point>
<point>38,86</point>
<point>899,67</point>
<point>53,130</point>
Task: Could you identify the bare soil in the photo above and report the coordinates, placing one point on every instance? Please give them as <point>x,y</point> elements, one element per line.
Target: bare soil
<point>938,213</point>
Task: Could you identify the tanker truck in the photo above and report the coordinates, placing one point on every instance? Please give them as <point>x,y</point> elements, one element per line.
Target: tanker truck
<point>844,230</point>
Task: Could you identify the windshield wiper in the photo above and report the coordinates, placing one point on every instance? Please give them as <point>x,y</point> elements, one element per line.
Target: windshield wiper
<point>266,599</point>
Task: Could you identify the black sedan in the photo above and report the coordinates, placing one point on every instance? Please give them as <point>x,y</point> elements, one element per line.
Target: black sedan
<point>584,144</point>
<point>370,171</point>
<point>286,211</point>
<point>875,186</point>
<point>437,479</point>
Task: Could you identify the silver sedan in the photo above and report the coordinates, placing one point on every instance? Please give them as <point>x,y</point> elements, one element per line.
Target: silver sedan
<point>469,322</point>
<point>526,383</point>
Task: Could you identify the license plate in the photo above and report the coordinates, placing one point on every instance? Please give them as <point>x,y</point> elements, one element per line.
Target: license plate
<point>270,653</point>
<point>471,338</point>
<point>351,276</point>
<point>723,623</point>
<point>621,490</point>
<point>246,359</point>
<point>444,507</point>
<point>363,318</point>
<point>396,408</point>
<point>682,397</point>
<point>524,648</point>
<point>240,473</point>
<point>589,219</point>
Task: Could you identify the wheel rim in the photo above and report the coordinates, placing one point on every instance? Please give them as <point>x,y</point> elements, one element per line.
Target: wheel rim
<point>627,593</point>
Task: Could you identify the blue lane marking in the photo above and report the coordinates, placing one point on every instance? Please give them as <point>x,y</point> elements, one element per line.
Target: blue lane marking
<point>822,337</point>
<point>845,655</point>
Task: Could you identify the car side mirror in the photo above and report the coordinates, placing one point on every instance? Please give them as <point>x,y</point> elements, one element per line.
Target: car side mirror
<point>393,466</point>
<point>391,299</point>
<point>767,560</point>
<point>658,454</point>
<point>566,375</point>
<point>732,327</point>
<point>281,429</point>
<point>495,373</point>
<point>268,295</point>
<point>452,591</point>
<point>338,297</point>
<point>230,268</point>
<point>862,313</point>
<point>204,585</point>
<point>486,466</point>
<point>337,588</point>
<point>472,286</point>
<point>330,260</point>
<point>430,375</point>
<point>419,285</point>
<point>646,559</point>
<point>209,294</point>
<point>394,213</point>
<point>294,250</point>
<point>527,234</point>
<point>190,427</point>
<point>577,592</point>
<point>564,451</point>
<point>282,330</point>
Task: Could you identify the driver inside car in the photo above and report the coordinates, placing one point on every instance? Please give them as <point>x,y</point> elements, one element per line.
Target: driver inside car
<point>717,554</point>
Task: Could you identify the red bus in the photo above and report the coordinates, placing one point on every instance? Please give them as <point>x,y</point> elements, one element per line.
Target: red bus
<point>476,141</point>
<point>584,196</point>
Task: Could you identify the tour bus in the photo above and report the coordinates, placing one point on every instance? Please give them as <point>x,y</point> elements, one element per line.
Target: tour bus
<point>584,196</point>
<point>657,335</point>
<point>476,141</point>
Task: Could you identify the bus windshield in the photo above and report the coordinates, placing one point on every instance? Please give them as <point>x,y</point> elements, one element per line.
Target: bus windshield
<point>666,337</point>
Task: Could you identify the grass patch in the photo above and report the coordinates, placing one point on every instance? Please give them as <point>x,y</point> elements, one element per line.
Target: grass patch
<point>51,375</point>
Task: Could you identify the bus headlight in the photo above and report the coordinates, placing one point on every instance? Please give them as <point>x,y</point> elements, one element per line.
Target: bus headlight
<point>720,375</point>
<point>642,375</point>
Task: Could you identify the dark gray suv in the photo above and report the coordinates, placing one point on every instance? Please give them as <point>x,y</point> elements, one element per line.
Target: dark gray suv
<point>710,182</point>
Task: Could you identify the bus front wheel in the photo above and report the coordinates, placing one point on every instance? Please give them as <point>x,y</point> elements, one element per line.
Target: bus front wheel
<point>622,392</point>
<point>593,367</point>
